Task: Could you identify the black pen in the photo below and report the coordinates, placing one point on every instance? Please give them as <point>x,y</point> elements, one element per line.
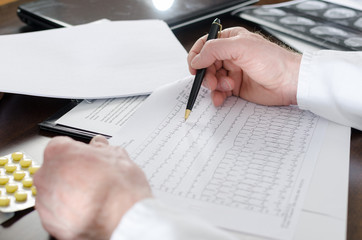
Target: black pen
<point>213,33</point>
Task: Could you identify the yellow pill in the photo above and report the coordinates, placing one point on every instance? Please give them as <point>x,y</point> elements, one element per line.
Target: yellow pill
<point>21,196</point>
<point>17,156</point>
<point>27,182</point>
<point>4,201</point>
<point>25,162</point>
<point>33,190</point>
<point>18,175</point>
<point>4,179</point>
<point>33,169</point>
<point>11,187</point>
<point>3,161</point>
<point>10,167</point>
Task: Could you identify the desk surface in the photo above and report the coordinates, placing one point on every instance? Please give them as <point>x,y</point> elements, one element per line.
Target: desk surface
<point>19,116</point>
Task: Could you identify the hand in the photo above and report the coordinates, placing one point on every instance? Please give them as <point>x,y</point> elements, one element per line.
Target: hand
<point>84,190</point>
<point>244,64</point>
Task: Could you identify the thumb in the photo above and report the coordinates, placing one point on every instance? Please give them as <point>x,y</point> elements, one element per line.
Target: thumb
<point>99,140</point>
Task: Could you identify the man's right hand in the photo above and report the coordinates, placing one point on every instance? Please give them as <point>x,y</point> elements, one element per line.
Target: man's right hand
<point>246,65</point>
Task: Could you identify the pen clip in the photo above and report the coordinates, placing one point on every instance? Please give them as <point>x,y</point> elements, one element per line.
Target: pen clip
<point>220,26</point>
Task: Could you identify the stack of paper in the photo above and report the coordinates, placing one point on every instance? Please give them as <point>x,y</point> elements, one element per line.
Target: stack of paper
<point>107,59</point>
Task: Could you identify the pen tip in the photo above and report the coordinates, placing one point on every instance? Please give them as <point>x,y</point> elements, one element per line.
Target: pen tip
<point>217,20</point>
<point>187,114</point>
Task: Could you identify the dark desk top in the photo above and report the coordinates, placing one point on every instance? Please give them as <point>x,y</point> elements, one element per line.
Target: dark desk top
<point>19,116</point>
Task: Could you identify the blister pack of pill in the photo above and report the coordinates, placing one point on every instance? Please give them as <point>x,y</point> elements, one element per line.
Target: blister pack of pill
<point>16,182</point>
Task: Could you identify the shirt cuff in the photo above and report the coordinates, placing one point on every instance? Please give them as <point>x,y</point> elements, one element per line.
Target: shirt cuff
<point>303,80</point>
<point>152,219</point>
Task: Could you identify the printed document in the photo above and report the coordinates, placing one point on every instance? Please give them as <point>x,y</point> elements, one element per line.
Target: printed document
<point>242,166</point>
<point>102,116</point>
<point>97,60</point>
<point>356,4</point>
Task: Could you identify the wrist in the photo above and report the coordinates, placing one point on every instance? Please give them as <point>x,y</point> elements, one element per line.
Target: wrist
<point>292,79</point>
<point>118,209</point>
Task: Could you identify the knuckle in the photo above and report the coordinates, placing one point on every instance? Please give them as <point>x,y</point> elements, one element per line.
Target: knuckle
<point>122,152</point>
<point>57,145</point>
<point>191,56</point>
<point>209,43</point>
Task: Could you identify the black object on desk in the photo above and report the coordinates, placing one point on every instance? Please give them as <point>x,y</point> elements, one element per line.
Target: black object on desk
<point>213,33</point>
<point>51,125</point>
<point>176,13</point>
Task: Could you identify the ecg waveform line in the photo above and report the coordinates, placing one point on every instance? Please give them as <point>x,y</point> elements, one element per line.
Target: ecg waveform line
<point>248,162</point>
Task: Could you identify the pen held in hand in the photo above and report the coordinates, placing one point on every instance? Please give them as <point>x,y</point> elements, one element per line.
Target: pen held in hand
<point>213,33</point>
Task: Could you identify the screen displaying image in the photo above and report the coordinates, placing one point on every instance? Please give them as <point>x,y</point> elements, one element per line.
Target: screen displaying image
<point>323,23</point>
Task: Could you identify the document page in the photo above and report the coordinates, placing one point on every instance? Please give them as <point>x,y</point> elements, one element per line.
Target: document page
<point>92,61</point>
<point>103,116</point>
<point>356,4</point>
<point>242,166</point>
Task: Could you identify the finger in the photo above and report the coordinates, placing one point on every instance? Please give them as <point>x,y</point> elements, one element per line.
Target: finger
<point>99,140</point>
<point>227,47</point>
<point>213,50</point>
<point>57,146</point>
<point>234,77</point>
<point>210,80</point>
<point>189,59</point>
<point>199,44</point>
<point>195,50</point>
<point>219,75</point>
<point>218,98</point>
<point>225,84</point>
<point>218,64</point>
<point>229,93</point>
<point>199,47</point>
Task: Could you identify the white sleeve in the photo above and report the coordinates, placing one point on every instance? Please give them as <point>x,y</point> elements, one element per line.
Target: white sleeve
<point>152,220</point>
<point>330,85</point>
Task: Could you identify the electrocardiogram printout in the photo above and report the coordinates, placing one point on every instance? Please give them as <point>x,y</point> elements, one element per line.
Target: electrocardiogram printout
<point>242,166</point>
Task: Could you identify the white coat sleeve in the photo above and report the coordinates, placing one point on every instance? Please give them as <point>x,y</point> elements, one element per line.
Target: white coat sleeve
<point>330,85</point>
<point>153,220</point>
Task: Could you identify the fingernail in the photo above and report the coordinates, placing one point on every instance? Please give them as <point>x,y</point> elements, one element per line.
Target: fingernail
<point>226,85</point>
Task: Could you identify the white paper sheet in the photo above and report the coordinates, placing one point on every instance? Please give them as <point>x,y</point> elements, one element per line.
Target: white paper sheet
<point>324,213</point>
<point>103,116</point>
<point>103,60</point>
<point>356,4</point>
<point>243,166</point>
